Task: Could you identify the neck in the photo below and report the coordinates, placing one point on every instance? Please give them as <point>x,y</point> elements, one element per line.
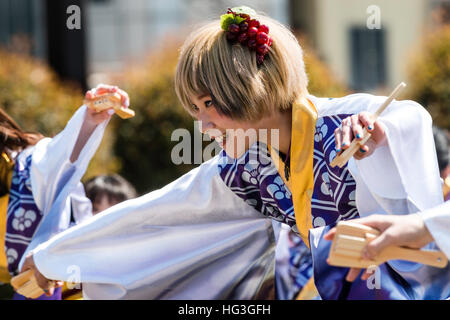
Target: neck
<point>280,122</point>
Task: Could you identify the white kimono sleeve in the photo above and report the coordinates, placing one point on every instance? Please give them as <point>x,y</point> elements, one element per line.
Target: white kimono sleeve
<point>193,239</point>
<point>404,175</point>
<point>54,178</point>
<point>399,178</point>
<point>437,220</point>
<point>51,168</point>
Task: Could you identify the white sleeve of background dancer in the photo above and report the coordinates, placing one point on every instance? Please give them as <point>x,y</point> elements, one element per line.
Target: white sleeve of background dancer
<point>191,223</point>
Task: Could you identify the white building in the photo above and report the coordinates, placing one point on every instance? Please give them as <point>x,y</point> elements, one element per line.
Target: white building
<point>363,58</point>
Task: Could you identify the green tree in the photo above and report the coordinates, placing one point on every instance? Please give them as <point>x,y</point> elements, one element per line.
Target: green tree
<point>143,143</point>
<point>429,75</point>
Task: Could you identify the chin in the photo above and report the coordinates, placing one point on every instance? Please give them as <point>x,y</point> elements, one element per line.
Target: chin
<point>234,152</point>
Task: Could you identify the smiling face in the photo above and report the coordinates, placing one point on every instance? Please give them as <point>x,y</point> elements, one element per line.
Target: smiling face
<point>234,136</point>
<point>237,136</point>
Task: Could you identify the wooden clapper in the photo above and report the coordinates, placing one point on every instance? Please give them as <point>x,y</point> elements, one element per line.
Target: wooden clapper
<point>351,238</point>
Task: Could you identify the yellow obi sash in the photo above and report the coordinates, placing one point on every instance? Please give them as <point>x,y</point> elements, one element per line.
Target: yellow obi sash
<point>6,166</point>
<point>301,182</point>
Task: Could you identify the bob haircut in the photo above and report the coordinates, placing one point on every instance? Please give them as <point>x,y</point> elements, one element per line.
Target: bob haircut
<point>239,88</point>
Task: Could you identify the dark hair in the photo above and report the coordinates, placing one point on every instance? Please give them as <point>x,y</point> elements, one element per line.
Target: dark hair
<point>13,138</point>
<point>114,187</point>
<point>442,147</point>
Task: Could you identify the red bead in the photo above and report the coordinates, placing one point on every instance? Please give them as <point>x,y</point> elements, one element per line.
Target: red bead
<point>269,43</point>
<point>234,28</point>
<point>242,37</point>
<point>262,49</point>
<point>243,26</point>
<point>254,24</point>
<point>264,28</point>
<point>252,43</point>
<point>259,59</point>
<point>231,36</point>
<point>262,38</point>
<point>252,32</point>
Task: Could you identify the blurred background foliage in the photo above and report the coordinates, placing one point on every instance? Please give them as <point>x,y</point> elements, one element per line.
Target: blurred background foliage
<point>429,75</point>
<point>143,143</point>
<point>32,94</point>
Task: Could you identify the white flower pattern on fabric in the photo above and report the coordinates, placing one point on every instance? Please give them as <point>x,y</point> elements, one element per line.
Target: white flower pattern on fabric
<point>319,222</point>
<point>352,198</point>
<point>278,189</point>
<point>325,188</point>
<point>251,173</point>
<point>333,155</point>
<point>11,255</point>
<point>321,130</point>
<point>23,219</point>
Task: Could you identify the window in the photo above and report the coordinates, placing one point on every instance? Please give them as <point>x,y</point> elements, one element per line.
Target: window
<point>368,58</point>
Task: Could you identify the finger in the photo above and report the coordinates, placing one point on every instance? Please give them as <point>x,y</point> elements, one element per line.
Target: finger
<point>28,264</point>
<point>352,274</point>
<point>103,88</point>
<point>362,153</point>
<point>43,282</point>
<point>49,291</point>
<point>377,221</point>
<point>374,247</point>
<point>346,134</point>
<point>330,235</point>
<point>89,95</point>
<point>366,120</point>
<point>338,139</point>
<point>365,275</point>
<point>356,127</point>
<point>125,98</point>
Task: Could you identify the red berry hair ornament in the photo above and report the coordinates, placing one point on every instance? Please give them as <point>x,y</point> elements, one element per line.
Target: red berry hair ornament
<point>240,27</point>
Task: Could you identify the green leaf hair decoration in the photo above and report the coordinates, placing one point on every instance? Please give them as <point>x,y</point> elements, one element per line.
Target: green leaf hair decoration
<point>227,19</point>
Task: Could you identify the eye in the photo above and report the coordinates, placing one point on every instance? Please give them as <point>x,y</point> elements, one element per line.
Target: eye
<point>195,108</point>
<point>208,103</point>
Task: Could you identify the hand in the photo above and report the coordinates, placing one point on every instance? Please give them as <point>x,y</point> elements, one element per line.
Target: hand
<point>396,230</point>
<point>352,127</point>
<point>45,284</point>
<point>96,118</point>
<point>93,118</point>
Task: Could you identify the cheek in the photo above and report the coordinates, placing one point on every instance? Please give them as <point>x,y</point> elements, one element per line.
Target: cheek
<point>238,143</point>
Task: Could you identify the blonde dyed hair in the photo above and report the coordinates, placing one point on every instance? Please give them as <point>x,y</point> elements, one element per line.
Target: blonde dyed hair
<point>240,89</point>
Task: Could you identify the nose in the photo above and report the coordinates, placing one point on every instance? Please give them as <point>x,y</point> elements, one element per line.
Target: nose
<point>205,123</point>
